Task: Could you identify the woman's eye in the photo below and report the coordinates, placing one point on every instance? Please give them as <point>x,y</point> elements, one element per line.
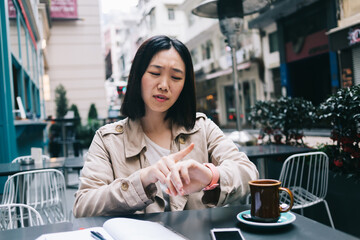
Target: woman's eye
<point>177,78</point>
<point>154,73</point>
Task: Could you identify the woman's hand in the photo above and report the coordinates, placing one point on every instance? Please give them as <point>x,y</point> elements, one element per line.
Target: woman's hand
<point>189,176</point>
<point>160,170</point>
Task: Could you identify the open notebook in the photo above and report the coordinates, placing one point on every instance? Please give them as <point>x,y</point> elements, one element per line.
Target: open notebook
<point>118,229</point>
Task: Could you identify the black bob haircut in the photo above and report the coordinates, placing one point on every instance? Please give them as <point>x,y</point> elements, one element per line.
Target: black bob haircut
<point>183,112</point>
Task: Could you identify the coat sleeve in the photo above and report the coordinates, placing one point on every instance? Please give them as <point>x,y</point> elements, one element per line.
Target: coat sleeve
<point>235,168</point>
<point>100,193</point>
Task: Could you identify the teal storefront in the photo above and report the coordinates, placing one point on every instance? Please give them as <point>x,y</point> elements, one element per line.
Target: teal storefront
<point>22,124</point>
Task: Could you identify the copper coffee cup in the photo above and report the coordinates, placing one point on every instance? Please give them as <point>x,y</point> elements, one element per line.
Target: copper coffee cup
<point>265,205</point>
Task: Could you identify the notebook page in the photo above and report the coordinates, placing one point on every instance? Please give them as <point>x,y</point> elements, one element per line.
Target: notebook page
<point>83,234</point>
<point>132,229</point>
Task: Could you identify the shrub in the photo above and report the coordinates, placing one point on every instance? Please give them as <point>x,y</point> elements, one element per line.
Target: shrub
<point>77,122</point>
<point>61,101</point>
<point>343,111</point>
<point>87,132</point>
<point>283,119</point>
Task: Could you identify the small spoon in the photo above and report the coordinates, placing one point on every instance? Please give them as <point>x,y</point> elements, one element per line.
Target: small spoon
<point>248,217</point>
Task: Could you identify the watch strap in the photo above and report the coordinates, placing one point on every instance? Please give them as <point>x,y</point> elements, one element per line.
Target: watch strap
<point>215,177</point>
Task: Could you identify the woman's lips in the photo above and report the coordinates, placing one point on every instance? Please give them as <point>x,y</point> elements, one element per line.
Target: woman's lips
<point>161,98</point>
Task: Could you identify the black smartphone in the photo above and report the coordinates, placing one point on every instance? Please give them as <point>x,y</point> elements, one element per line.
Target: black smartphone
<point>226,234</point>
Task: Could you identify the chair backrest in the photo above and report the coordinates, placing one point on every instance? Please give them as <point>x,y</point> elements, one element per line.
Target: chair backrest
<point>43,190</point>
<point>28,157</point>
<point>306,172</point>
<point>17,215</point>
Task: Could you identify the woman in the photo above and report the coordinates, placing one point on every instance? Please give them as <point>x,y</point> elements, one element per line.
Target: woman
<point>163,156</point>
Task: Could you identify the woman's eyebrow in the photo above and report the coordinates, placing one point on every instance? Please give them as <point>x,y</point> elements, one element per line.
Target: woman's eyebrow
<point>160,67</point>
<point>177,70</point>
<point>156,66</point>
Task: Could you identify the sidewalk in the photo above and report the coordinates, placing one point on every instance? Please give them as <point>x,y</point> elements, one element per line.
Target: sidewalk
<point>313,137</point>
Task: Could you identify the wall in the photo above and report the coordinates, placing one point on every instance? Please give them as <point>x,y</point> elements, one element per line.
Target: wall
<point>172,28</point>
<point>271,60</point>
<point>350,9</point>
<point>76,61</point>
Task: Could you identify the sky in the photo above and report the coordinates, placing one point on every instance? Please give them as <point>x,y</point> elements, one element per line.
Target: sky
<point>123,5</point>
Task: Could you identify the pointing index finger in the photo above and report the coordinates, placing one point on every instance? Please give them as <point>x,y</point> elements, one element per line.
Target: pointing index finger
<point>181,154</point>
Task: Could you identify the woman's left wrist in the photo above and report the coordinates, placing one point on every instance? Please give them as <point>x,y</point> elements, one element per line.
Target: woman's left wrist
<point>215,177</point>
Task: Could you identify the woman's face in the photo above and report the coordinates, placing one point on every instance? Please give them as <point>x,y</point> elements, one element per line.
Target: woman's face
<point>163,81</point>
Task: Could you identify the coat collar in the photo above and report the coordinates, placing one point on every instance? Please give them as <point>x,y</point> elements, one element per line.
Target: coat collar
<point>134,138</point>
<point>134,135</point>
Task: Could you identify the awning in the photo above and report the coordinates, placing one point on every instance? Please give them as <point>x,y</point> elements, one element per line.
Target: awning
<point>344,36</point>
<point>277,10</point>
<point>220,73</point>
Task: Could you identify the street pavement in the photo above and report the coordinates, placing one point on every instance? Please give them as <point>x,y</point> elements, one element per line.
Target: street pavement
<point>312,138</point>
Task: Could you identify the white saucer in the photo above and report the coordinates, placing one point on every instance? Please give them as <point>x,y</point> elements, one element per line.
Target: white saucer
<point>285,218</point>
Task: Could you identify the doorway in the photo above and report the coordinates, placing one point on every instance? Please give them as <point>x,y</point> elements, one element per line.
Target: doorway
<point>310,78</point>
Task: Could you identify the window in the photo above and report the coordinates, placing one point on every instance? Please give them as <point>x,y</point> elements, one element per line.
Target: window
<point>25,64</point>
<point>194,56</point>
<point>277,83</point>
<point>122,62</point>
<point>206,50</point>
<point>273,42</point>
<point>171,13</point>
<point>203,51</point>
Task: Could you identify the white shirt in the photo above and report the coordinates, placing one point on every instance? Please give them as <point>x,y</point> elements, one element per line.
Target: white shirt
<point>153,154</point>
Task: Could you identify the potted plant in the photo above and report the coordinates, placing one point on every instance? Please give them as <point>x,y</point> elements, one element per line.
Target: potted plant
<point>61,102</point>
<point>87,132</point>
<point>76,128</point>
<point>342,110</point>
<point>283,120</point>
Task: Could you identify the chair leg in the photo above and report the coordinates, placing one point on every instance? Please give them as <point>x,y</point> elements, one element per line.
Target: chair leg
<point>302,211</point>
<point>328,212</point>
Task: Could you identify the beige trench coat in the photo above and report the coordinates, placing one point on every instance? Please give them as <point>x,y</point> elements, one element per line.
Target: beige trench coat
<point>110,181</point>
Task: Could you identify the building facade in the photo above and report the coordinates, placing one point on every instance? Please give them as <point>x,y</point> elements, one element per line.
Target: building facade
<point>297,56</point>
<point>213,67</point>
<point>24,27</point>
<point>42,46</point>
<point>210,53</point>
<point>120,37</point>
<point>75,59</point>
<point>126,32</point>
<point>345,41</point>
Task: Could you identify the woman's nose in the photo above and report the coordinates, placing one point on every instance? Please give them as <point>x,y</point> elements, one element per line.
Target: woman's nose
<point>163,84</point>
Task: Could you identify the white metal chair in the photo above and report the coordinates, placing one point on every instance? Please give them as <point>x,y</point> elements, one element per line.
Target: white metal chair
<point>306,175</point>
<point>16,215</point>
<point>43,190</point>
<point>28,157</point>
